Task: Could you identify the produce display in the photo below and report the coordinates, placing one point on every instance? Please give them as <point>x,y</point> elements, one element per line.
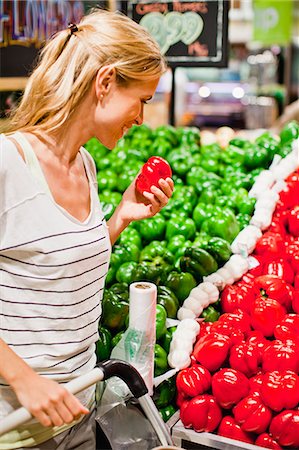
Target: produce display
<point>191,250</point>
<point>243,382</point>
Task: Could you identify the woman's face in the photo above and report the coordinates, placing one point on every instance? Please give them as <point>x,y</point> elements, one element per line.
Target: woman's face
<point>120,108</point>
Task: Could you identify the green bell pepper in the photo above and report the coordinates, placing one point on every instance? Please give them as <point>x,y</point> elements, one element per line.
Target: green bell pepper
<point>198,262</point>
<point>161,316</point>
<point>180,161</point>
<point>115,261</point>
<point>181,284</point>
<point>167,298</point>
<point>103,345</point>
<point>175,243</point>
<point>167,412</point>
<point>115,340</point>
<point>107,179</point>
<point>202,212</point>
<point>125,272</point>
<point>152,228</point>
<point>256,156</point>
<point>219,248</point>
<point>289,132</point>
<point>180,225</point>
<point>243,220</point>
<point>130,235</point>
<point>160,360</point>
<point>210,314</point>
<point>165,393</point>
<point>167,338</point>
<point>127,252</point>
<point>222,224</point>
<point>115,310</point>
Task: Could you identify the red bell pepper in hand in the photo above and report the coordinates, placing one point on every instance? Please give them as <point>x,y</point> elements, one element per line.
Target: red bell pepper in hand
<point>281,268</point>
<point>211,350</point>
<point>252,415</point>
<point>280,390</point>
<point>274,287</point>
<point>293,221</point>
<point>246,358</point>
<point>285,428</point>
<point>230,429</point>
<point>229,386</point>
<point>201,413</point>
<point>282,355</point>
<point>151,172</point>
<point>265,440</point>
<point>288,328</point>
<point>266,313</point>
<point>255,383</point>
<point>194,380</point>
<point>269,245</point>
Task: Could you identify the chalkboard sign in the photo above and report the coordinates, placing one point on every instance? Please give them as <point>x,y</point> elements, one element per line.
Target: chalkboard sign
<point>26,25</point>
<point>189,33</point>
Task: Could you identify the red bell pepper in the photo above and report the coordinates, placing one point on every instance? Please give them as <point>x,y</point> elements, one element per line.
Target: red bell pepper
<point>293,221</point>
<point>255,383</point>
<point>269,245</point>
<point>151,172</point>
<point>280,390</point>
<point>281,268</point>
<point>256,338</point>
<point>295,302</point>
<point>231,298</point>
<point>266,313</point>
<point>290,194</point>
<point>258,269</point>
<point>282,355</point>
<point>238,319</point>
<point>296,281</point>
<point>285,428</point>
<point>252,415</point>
<point>229,386</point>
<point>211,350</point>
<point>265,440</point>
<point>274,287</point>
<point>201,413</point>
<point>294,256</point>
<point>246,358</point>
<point>194,380</point>
<point>230,429</point>
<point>227,329</point>
<point>288,328</point>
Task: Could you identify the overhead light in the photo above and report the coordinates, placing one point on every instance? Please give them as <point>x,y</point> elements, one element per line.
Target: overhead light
<point>204,91</point>
<point>238,92</point>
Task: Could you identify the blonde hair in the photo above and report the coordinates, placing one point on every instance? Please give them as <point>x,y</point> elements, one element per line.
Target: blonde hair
<point>69,63</point>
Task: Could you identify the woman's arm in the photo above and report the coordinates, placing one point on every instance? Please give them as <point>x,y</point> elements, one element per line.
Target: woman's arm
<point>135,206</point>
<point>47,401</point>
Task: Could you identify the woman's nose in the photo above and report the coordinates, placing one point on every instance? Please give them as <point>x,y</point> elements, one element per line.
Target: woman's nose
<point>139,118</point>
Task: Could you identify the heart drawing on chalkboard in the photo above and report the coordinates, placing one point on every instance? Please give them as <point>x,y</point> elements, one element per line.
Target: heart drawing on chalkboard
<point>154,23</point>
<point>193,26</point>
<point>173,27</point>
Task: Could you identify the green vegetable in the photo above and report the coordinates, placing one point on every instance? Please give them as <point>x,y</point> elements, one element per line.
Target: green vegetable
<point>115,309</point>
<point>103,345</point>
<point>220,249</point>
<point>166,339</point>
<point>222,224</point>
<point>160,360</point>
<point>181,284</point>
<point>164,394</point>
<point>210,314</point>
<point>161,317</point>
<point>168,299</point>
<point>289,132</point>
<point>198,262</point>
<point>167,412</point>
<point>125,273</point>
<point>180,225</point>
<point>152,228</point>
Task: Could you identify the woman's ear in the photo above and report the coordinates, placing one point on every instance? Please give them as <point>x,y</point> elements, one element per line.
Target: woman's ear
<point>105,77</point>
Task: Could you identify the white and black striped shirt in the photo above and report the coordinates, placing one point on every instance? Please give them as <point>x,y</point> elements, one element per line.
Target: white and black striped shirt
<point>52,273</point>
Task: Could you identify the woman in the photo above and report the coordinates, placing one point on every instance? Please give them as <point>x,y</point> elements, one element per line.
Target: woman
<point>92,79</point>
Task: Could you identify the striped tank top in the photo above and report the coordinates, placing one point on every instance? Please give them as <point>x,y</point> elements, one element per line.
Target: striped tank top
<point>52,272</point>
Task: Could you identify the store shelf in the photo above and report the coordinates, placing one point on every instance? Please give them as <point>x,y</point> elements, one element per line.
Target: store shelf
<point>184,437</point>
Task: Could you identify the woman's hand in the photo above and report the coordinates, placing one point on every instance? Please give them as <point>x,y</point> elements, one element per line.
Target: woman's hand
<point>49,402</point>
<point>135,206</point>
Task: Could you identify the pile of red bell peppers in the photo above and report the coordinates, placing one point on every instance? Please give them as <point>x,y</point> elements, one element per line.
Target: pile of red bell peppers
<point>244,379</point>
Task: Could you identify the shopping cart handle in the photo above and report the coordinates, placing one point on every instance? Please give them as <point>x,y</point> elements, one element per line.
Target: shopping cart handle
<point>126,372</point>
<point>103,371</point>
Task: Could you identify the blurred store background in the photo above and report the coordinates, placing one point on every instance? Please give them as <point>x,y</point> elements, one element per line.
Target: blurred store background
<point>251,87</point>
